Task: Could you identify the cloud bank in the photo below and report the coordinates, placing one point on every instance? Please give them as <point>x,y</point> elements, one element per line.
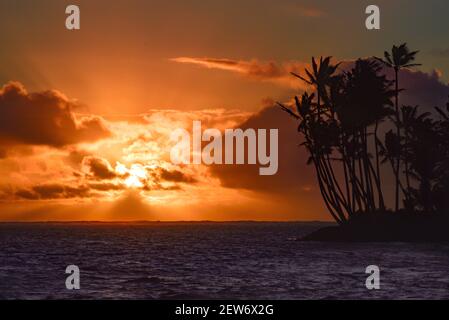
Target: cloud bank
<point>44,118</point>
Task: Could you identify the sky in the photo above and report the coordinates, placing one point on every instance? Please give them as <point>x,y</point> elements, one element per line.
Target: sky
<point>85,116</point>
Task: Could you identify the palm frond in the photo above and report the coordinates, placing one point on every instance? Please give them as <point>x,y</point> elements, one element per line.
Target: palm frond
<point>290,112</point>
<point>442,113</point>
<point>300,77</point>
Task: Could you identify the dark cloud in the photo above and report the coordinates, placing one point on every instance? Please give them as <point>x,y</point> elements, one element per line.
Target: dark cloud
<point>293,174</point>
<point>53,191</point>
<point>175,176</point>
<point>423,89</point>
<point>106,186</point>
<point>426,89</point>
<point>27,194</point>
<point>255,69</point>
<point>44,118</point>
<point>99,168</point>
<point>156,186</point>
<point>293,189</point>
<point>419,88</point>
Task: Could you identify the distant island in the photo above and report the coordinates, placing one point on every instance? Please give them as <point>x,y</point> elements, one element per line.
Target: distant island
<point>358,135</point>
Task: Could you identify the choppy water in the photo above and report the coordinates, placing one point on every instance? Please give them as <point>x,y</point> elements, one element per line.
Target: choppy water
<point>210,261</point>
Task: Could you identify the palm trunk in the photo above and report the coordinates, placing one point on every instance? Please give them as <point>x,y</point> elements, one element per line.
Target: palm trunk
<point>325,197</point>
<point>366,161</point>
<point>347,186</point>
<point>398,160</point>
<point>378,173</point>
<point>406,164</point>
<point>327,189</point>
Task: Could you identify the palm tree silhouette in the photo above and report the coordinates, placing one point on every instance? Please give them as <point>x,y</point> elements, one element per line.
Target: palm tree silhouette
<point>364,81</point>
<point>336,132</point>
<point>320,76</point>
<point>441,187</point>
<point>399,58</point>
<point>424,154</point>
<point>340,127</point>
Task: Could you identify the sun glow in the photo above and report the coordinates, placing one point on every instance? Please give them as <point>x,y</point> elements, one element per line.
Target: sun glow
<point>133,182</point>
<point>136,175</point>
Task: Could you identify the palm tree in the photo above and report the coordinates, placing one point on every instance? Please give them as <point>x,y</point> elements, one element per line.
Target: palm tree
<point>336,131</point>
<point>425,155</point>
<point>399,58</point>
<point>410,118</point>
<point>365,81</point>
<point>319,142</point>
<point>319,76</point>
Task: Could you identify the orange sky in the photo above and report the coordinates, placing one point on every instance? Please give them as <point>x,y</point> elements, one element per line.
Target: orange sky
<point>84,133</point>
<point>58,164</point>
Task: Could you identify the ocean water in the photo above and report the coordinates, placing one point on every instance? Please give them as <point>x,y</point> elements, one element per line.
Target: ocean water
<point>210,261</point>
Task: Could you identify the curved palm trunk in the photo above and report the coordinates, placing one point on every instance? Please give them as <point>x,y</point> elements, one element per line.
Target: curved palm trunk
<point>327,197</point>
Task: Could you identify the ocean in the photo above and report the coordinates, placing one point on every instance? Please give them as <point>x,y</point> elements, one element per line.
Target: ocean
<point>242,260</point>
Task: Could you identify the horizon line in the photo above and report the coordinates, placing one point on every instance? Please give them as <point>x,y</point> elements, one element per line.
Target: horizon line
<point>161,221</point>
